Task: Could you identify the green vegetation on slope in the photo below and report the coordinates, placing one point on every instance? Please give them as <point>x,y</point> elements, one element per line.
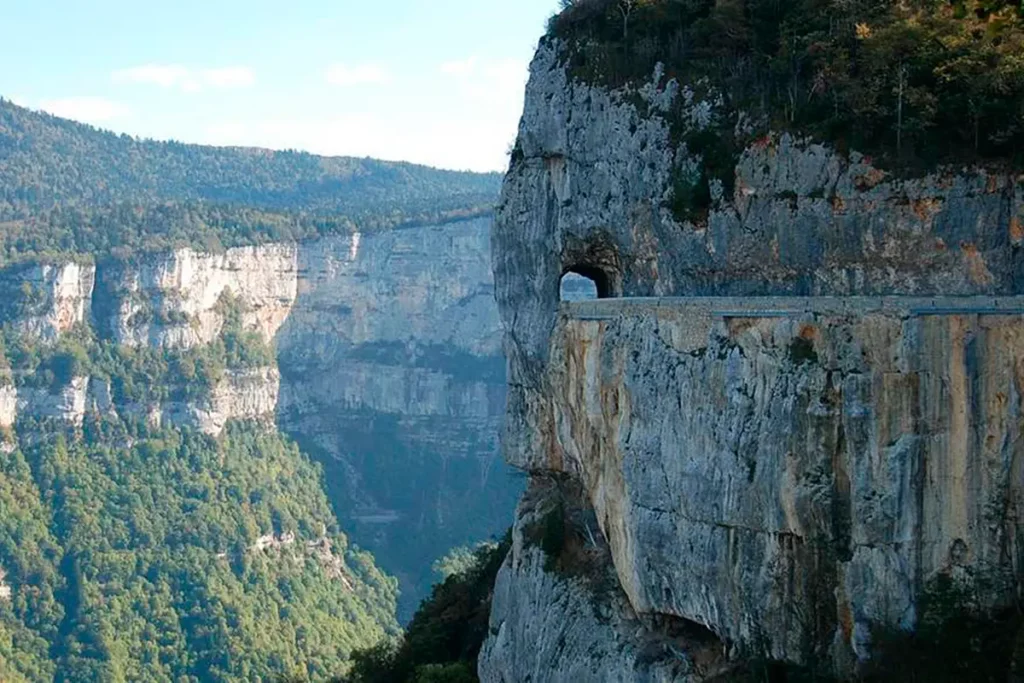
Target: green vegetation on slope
<point>913,83</point>
<point>136,558</point>
<point>444,639</point>
<point>68,188</point>
<point>47,162</point>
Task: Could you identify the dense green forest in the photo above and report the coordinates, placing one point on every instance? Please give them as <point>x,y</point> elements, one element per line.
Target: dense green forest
<point>133,556</point>
<point>48,162</point>
<point>68,188</point>
<point>125,230</point>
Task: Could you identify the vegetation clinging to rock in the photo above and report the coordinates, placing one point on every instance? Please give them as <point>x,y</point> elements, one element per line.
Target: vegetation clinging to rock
<point>913,83</point>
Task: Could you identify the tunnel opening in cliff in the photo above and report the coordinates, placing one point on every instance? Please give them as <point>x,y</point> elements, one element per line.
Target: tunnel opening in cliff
<point>585,283</point>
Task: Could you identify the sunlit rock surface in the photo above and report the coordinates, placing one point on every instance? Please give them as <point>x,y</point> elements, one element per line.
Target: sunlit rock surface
<point>789,473</point>
<point>175,300</point>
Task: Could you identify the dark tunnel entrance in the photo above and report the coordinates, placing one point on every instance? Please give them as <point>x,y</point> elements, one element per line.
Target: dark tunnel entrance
<point>585,283</point>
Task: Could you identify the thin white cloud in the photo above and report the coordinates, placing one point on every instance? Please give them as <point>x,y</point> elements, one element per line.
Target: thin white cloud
<point>347,75</point>
<point>19,100</point>
<point>87,109</point>
<point>175,76</point>
<point>229,77</point>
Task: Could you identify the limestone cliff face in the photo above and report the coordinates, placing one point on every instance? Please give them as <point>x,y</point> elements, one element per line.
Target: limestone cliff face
<point>247,394</point>
<point>6,591</point>
<point>47,299</point>
<point>787,481</point>
<point>591,183</point>
<point>788,472</point>
<point>172,300</point>
<point>564,624</point>
<point>8,406</point>
<point>392,372</point>
<point>66,403</point>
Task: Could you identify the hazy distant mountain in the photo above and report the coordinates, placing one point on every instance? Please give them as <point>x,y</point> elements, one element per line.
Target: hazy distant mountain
<point>46,161</point>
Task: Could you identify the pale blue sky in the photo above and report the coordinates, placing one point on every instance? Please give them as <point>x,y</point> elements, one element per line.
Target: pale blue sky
<point>431,81</point>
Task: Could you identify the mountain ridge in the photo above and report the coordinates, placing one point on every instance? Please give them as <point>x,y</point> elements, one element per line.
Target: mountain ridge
<point>46,161</point>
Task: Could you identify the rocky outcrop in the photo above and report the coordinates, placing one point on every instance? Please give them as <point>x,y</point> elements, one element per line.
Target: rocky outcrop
<point>44,300</point>
<point>564,618</point>
<point>5,588</point>
<point>8,406</point>
<point>176,300</point>
<point>65,404</point>
<point>321,550</point>
<point>100,399</point>
<point>249,394</point>
<point>791,473</point>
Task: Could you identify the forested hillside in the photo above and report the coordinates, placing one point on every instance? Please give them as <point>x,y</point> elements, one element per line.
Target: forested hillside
<point>168,555</point>
<point>911,84</point>
<point>67,187</point>
<point>132,549</point>
<point>140,538</point>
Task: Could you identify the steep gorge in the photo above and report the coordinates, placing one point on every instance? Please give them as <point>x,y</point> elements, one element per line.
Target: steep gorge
<point>388,369</point>
<point>394,376</point>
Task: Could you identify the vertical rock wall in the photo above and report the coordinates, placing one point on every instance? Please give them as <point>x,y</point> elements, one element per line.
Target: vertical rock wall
<point>393,374</point>
<point>172,300</point>
<point>47,299</point>
<point>788,481</point>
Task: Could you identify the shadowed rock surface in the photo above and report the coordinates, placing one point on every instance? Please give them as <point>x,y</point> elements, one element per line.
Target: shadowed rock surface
<point>393,376</point>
